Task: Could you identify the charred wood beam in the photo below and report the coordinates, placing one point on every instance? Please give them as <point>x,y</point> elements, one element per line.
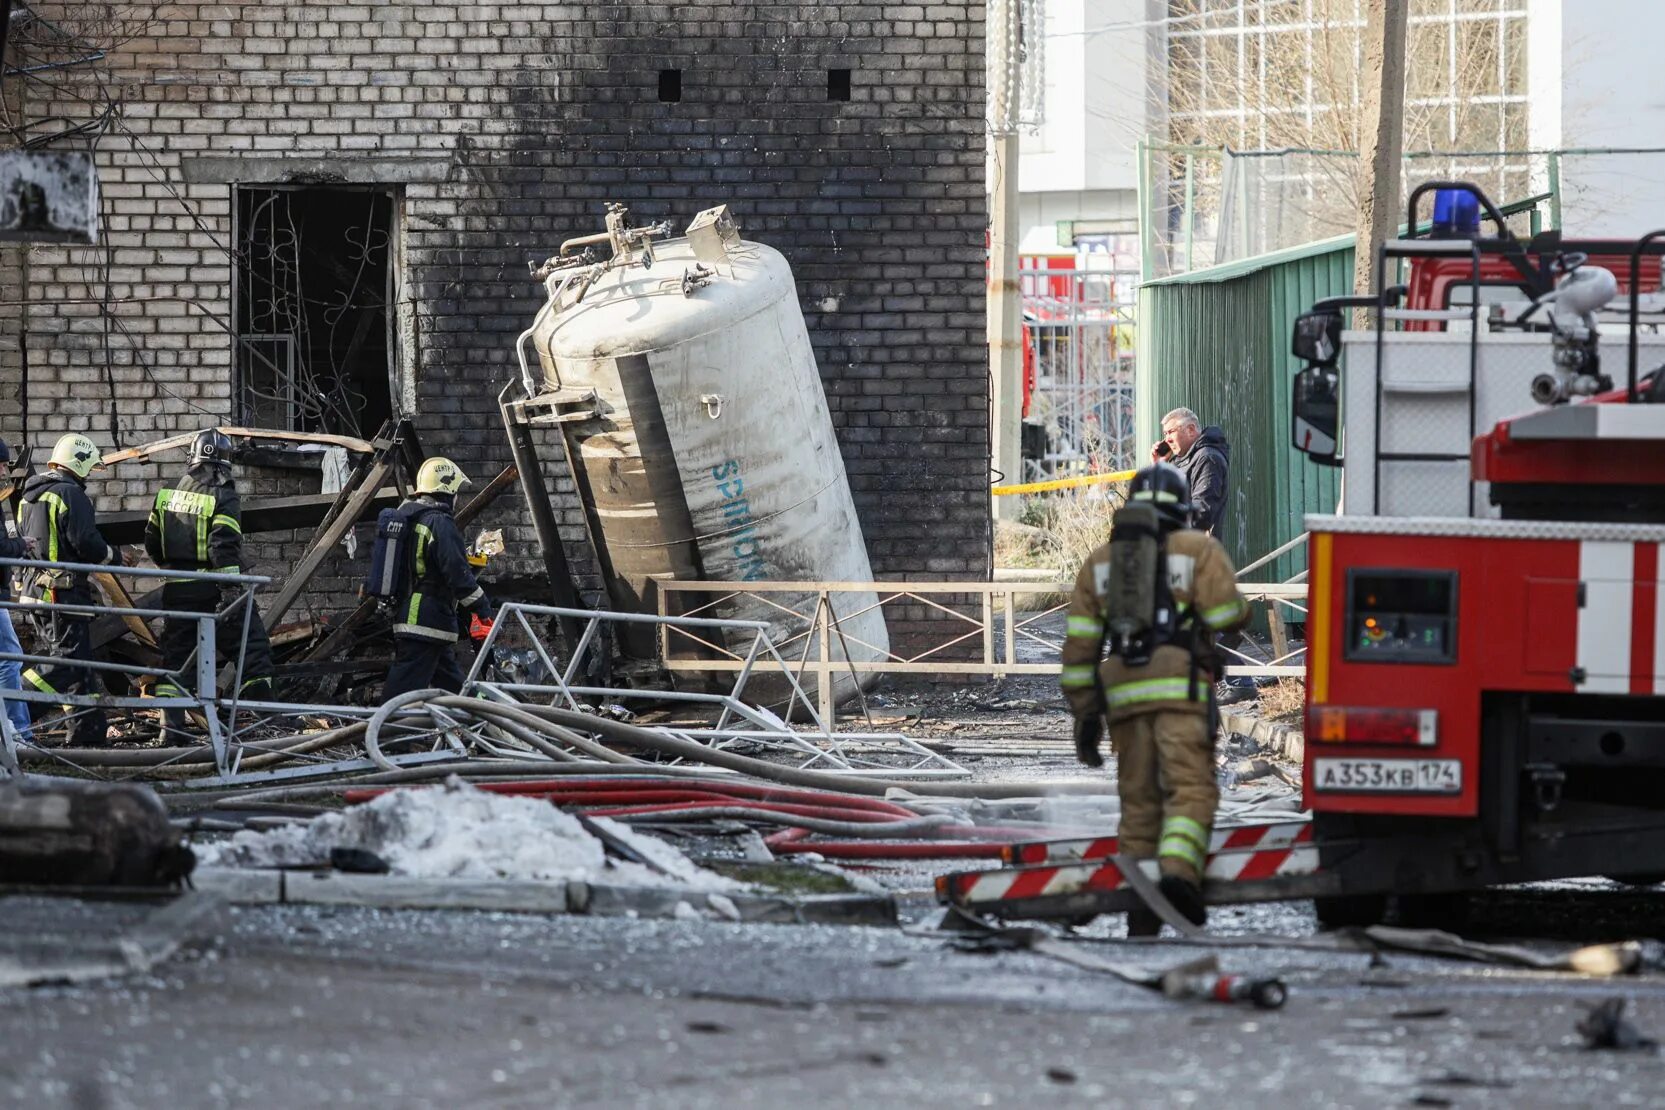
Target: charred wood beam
<point>354,506</point>
<point>268,515</point>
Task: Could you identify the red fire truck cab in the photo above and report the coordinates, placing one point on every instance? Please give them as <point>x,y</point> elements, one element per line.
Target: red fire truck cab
<point>1486,626</point>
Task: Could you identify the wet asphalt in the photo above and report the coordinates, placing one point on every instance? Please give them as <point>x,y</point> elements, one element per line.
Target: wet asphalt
<point>310,1006</point>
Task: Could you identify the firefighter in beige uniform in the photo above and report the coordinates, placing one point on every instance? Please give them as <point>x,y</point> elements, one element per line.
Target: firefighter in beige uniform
<point>1140,653</point>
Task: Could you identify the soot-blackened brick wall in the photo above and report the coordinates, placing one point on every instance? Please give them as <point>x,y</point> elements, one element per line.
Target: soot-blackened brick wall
<point>503,129</point>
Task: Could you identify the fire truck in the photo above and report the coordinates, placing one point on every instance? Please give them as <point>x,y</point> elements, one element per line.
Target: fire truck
<point>1486,610</point>
<point>1486,643</point>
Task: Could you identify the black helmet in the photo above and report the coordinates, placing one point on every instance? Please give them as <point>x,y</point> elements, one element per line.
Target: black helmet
<point>1166,488</point>
<point>211,446</point>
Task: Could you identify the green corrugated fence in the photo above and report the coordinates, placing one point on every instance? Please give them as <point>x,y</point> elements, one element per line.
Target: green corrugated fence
<point>1217,341</point>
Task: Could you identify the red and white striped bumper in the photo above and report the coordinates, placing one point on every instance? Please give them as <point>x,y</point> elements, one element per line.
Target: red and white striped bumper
<point>1062,867</point>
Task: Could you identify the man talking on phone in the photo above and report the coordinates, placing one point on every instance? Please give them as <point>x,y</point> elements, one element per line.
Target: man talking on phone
<point>1202,455</point>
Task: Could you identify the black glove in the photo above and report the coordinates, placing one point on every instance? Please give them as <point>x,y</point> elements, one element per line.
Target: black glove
<point>1089,731</point>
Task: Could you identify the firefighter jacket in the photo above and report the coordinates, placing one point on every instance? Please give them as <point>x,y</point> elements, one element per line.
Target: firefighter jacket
<point>196,523</point>
<point>442,580</point>
<point>58,515</point>
<point>1180,673</point>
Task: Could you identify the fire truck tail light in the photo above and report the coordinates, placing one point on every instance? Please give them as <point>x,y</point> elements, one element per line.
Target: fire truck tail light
<point>1334,724</point>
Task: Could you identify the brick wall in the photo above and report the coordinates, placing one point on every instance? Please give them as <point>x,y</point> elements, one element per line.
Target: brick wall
<point>505,128</point>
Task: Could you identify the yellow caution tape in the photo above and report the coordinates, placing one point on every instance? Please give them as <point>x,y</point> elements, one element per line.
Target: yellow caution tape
<point>1065,483</point>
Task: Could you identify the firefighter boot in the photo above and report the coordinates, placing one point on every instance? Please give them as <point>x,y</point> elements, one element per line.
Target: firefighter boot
<point>1143,922</point>
<point>1186,897</point>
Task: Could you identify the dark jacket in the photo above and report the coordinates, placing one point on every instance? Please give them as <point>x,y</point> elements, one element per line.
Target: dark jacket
<point>443,582</point>
<point>196,523</point>
<point>58,515</point>
<point>1205,466</point>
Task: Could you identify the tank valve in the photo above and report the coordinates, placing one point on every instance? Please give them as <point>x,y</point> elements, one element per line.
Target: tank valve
<point>713,403</point>
<point>696,278</point>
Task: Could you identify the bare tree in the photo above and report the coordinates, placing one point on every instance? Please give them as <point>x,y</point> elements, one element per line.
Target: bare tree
<point>1266,75</point>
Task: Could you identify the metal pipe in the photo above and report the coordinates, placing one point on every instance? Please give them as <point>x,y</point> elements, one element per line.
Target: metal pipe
<point>554,295</point>
<point>582,241</point>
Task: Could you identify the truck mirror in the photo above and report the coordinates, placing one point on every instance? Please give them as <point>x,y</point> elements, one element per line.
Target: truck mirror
<point>1317,337</point>
<point>1315,414</point>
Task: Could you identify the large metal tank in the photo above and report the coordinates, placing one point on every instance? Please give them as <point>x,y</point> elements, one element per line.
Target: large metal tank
<point>707,451</point>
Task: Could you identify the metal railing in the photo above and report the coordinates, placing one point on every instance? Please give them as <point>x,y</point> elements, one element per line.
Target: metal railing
<point>1008,628</point>
<point>202,682</point>
<point>762,678</point>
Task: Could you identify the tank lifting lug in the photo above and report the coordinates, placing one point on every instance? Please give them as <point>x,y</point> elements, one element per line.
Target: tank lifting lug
<point>1547,781</point>
<point>713,403</point>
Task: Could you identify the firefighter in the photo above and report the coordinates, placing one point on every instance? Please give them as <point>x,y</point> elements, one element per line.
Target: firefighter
<point>441,582</point>
<point>1155,687</point>
<point>58,516</point>
<point>196,524</point>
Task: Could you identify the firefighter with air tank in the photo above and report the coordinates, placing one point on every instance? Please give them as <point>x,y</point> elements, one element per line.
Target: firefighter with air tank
<point>1140,656</point>
<point>196,524</point>
<point>429,581</point>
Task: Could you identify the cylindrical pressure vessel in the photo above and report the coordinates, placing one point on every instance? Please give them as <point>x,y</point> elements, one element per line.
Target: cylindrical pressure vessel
<point>709,452</point>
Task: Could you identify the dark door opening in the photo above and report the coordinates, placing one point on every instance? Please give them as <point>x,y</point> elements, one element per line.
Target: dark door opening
<point>314,281</point>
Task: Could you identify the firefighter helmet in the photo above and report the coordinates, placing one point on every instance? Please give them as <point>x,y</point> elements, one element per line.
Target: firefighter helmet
<point>76,454</point>
<point>1165,487</point>
<point>212,447</point>
<point>440,475</point>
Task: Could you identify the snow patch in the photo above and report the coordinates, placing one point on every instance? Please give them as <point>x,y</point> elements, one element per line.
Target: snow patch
<point>458,831</point>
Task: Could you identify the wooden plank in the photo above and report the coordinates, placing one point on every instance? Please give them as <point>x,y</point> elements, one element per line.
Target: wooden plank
<point>1279,633</point>
<point>272,514</point>
<point>326,540</point>
<point>293,633</point>
<point>118,597</point>
<point>488,493</point>
<point>144,451</point>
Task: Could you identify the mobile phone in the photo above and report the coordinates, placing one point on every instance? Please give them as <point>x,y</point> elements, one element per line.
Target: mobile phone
<point>1162,449</point>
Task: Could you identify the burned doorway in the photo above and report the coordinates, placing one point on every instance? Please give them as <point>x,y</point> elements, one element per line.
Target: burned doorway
<point>315,352</point>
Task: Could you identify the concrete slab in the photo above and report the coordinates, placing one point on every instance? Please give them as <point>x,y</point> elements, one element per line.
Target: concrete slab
<point>404,892</point>
<point>242,888</point>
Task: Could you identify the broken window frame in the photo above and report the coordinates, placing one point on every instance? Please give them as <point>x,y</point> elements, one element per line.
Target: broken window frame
<point>398,317</point>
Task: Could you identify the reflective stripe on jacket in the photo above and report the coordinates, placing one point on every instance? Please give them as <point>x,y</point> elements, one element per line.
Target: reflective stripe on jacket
<point>196,523</point>
<point>442,580</point>
<point>58,515</point>
<point>1203,583</point>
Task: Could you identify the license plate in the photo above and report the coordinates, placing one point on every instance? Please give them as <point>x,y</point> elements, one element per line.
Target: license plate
<point>1388,776</point>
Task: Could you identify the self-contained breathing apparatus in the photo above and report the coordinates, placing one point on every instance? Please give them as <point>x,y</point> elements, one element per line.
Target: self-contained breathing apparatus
<point>1141,614</point>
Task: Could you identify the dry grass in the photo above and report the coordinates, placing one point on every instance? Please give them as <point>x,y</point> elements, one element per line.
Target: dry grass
<point>1284,701</point>
<point>1057,531</point>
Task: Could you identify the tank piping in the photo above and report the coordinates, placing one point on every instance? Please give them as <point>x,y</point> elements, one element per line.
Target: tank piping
<point>554,292</point>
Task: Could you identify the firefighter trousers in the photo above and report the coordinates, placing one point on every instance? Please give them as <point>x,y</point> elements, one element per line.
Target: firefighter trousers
<point>69,640</point>
<point>419,663</point>
<point>1165,779</point>
<point>179,638</point>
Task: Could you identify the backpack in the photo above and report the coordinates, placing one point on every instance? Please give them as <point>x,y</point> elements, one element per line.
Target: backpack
<point>1139,610</point>
<point>391,559</point>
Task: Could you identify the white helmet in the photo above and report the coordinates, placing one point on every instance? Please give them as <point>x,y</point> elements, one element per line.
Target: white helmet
<point>440,475</point>
<point>76,454</point>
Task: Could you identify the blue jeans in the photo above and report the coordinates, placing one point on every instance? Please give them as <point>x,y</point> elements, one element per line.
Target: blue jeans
<point>11,677</point>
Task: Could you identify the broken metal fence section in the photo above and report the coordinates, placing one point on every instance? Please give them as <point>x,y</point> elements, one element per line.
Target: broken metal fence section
<point>1007,628</point>
<point>201,684</point>
<point>753,711</point>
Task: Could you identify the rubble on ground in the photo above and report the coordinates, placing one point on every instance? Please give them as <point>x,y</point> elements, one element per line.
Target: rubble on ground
<point>457,831</point>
